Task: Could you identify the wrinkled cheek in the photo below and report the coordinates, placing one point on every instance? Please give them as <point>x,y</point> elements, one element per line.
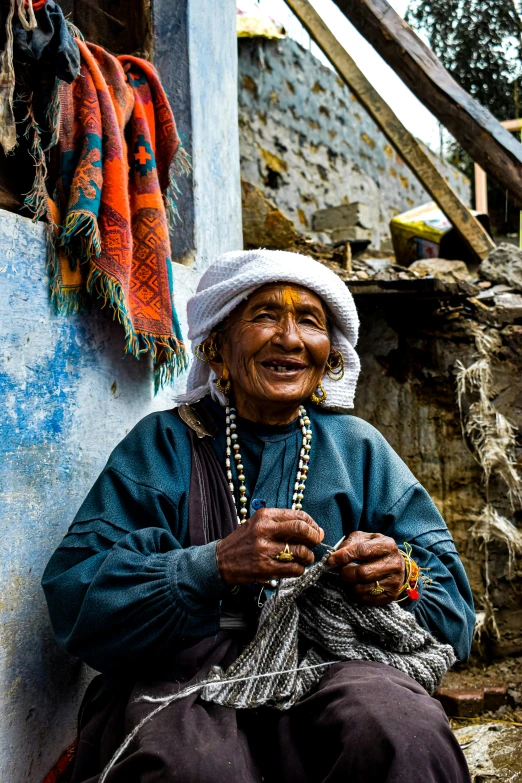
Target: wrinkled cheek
<point>319,350</point>
<point>246,341</point>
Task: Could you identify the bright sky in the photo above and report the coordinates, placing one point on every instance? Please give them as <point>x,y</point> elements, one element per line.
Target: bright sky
<point>406,106</point>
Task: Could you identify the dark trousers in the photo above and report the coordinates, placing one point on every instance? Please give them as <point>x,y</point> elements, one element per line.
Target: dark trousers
<point>364,722</point>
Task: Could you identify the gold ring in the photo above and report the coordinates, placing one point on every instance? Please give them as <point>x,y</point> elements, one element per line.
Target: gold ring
<point>377,590</point>
<point>285,556</point>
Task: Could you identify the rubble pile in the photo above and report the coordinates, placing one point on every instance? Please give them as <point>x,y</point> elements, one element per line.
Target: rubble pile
<point>493,292</point>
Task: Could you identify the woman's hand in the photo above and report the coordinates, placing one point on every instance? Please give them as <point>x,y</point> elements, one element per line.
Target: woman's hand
<point>378,560</point>
<point>249,553</point>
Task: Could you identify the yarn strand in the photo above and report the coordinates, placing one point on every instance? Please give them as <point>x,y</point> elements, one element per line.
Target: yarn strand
<point>166,701</point>
<point>308,625</point>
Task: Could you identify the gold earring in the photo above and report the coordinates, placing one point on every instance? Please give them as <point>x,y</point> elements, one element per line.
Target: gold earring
<point>335,366</point>
<point>223,383</point>
<point>206,351</point>
<point>315,398</point>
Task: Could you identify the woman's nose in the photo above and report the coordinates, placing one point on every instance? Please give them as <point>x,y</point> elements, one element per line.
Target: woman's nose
<point>288,335</point>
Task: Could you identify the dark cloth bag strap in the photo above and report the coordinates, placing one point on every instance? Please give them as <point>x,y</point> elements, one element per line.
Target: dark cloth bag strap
<point>212,514</point>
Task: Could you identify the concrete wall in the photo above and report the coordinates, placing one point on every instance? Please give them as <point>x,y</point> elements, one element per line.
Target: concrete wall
<point>308,144</point>
<point>68,397</point>
<point>195,53</point>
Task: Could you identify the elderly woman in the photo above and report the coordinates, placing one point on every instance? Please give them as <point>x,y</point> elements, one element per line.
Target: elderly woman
<point>201,510</point>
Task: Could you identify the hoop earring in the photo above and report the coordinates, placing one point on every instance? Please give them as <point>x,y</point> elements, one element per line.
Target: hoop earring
<point>315,398</point>
<point>223,383</point>
<point>206,351</point>
<point>335,366</point>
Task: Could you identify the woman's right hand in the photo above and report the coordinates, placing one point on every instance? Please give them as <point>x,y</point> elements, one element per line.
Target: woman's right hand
<point>249,553</point>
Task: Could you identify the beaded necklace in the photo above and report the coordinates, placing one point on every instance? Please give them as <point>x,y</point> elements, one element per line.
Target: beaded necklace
<point>233,446</point>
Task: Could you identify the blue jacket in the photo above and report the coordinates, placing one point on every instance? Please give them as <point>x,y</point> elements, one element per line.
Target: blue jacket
<point>123,585</point>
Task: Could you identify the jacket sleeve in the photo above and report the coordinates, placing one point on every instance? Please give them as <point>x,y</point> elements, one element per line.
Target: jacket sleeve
<point>445,607</point>
<point>120,586</point>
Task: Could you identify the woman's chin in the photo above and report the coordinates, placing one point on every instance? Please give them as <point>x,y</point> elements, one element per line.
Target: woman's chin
<point>286,388</point>
<point>285,394</point>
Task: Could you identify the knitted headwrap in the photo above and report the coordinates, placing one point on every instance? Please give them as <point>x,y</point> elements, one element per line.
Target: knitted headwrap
<point>234,276</point>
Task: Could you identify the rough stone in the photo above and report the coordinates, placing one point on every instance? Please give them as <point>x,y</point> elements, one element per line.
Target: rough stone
<point>350,233</point>
<point>493,752</point>
<point>503,265</point>
<point>344,215</point>
<point>492,290</point>
<point>441,268</point>
<point>509,307</point>
<point>264,225</point>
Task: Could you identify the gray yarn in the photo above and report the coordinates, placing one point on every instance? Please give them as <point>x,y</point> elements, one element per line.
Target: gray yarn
<point>310,621</point>
<point>308,625</point>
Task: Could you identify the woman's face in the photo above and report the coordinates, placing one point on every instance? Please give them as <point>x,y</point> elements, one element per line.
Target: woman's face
<point>275,346</point>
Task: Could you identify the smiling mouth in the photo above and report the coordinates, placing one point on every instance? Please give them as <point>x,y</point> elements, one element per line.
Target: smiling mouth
<point>283,366</point>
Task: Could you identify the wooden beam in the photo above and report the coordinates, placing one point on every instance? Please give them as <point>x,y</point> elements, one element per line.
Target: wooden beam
<point>404,142</point>
<point>512,125</point>
<point>481,179</point>
<point>474,127</point>
<point>481,190</point>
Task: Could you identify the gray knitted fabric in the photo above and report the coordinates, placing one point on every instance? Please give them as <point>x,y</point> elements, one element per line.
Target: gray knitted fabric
<point>310,621</point>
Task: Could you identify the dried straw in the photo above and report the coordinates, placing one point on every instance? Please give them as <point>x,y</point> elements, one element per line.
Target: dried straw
<point>491,438</point>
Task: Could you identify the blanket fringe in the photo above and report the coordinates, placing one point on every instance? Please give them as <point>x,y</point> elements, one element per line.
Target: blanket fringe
<point>52,115</point>
<point>180,166</point>
<point>169,355</point>
<point>66,301</point>
<point>176,361</point>
<point>36,198</point>
<point>80,237</point>
<point>74,31</point>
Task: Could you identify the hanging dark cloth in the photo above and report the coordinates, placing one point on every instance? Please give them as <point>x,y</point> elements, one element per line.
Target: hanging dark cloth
<point>50,44</point>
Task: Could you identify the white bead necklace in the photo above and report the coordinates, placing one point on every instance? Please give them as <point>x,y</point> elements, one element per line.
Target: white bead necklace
<point>233,446</point>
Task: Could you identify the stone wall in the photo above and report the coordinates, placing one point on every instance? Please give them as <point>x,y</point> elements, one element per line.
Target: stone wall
<point>308,144</point>
<point>407,390</point>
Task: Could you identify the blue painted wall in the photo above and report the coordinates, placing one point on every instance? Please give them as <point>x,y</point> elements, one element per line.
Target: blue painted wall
<point>67,398</point>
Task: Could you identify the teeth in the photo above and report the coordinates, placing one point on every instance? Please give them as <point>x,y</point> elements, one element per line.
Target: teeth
<point>281,368</point>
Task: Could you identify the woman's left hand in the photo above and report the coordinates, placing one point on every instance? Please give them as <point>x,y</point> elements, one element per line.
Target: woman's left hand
<point>377,559</point>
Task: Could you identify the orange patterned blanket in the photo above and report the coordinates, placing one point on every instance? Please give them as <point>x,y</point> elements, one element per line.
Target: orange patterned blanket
<point>118,144</point>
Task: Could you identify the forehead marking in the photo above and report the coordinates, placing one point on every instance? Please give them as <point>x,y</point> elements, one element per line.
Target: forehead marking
<point>290,296</point>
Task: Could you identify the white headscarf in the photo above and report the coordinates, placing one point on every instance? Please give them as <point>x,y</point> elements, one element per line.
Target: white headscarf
<point>234,276</point>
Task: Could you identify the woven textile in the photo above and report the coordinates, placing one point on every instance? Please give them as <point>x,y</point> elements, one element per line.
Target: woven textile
<point>311,621</point>
<point>234,276</point>
<point>118,142</point>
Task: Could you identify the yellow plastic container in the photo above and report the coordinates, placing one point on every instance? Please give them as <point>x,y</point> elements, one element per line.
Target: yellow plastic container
<point>425,232</point>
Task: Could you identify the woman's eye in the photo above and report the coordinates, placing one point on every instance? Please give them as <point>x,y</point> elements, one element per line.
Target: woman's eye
<point>265,317</point>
